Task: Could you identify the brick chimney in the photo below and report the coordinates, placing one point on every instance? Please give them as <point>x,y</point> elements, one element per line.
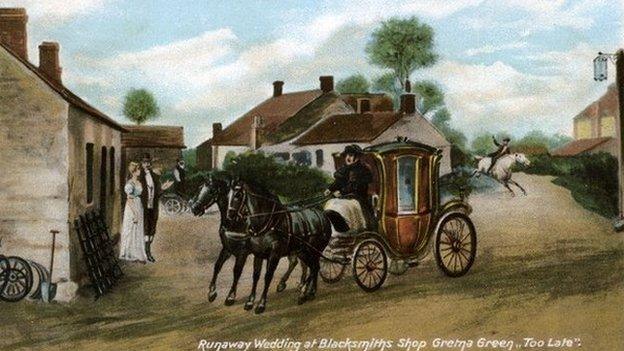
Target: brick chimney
<point>49,63</point>
<point>216,129</point>
<point>363,105</point>
<point>327,83</point>
<point>277,88</point>
<point>408,103</point>
<point>13,30</point>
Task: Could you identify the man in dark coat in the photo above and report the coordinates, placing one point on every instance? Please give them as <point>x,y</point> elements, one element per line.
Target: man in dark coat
<point>503,149</point>
<point>351,181</point>
<point>150,181</point>
<point>179,178</point>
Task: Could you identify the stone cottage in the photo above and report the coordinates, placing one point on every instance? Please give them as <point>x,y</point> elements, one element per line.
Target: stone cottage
<point>310,127</point>
<point>59,157</point>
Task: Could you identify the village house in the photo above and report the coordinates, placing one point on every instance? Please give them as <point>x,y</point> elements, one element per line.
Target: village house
<point>594,127</point>
<point>163,143</point>
<point>59,156</point>
<point>312,127</point>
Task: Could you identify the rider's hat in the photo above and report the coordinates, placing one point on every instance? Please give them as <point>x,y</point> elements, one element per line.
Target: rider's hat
<point>507,140</point>
<point>352,150</point>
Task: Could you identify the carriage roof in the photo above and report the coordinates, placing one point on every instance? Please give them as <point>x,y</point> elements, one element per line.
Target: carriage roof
<point>401,145</point>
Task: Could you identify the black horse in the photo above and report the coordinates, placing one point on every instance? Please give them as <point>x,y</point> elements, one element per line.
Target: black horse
<point>275,232</point>
<point>232,234</point>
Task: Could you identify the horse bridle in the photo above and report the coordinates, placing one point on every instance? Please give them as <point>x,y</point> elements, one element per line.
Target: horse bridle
<point>243,211</point>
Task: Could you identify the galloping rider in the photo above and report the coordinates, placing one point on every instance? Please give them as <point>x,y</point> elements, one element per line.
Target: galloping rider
<point>503,149</point>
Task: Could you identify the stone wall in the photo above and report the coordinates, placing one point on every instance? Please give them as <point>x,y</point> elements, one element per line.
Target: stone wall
<point>85,129</point>
<point>34,164</point>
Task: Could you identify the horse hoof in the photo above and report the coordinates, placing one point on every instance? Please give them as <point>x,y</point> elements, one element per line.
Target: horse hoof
<point>281,287</point>
<point>229,301</point>
<point>259,309</point>
<point>301,300</point>
<point>212,296</point>
<point>248,306</point>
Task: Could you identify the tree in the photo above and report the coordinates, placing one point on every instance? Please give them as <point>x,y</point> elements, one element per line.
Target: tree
<point>356,83</point>
<point>402,45</point>
<point>140,106</point>
<point>482,144</point>
<point>441,119</point>
<point>431,96</point>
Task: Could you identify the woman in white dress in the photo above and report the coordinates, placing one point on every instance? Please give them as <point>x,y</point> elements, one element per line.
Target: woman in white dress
<point>132,242</point>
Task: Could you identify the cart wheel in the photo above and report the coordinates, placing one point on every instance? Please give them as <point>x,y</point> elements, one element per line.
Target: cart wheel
<point>173,206</point>
<point>398,267</point>
<point>456,245</point>
<point>42,276</point>
<point>4,274</point>
<point>331,272</point>
<point>370,265</point>
<point>20,280</point>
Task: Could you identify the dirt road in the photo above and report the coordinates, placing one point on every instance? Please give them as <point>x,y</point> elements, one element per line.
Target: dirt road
<point>545,268</point>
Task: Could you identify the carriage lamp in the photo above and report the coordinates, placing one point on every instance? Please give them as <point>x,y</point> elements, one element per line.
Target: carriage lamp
<point>601,66</point>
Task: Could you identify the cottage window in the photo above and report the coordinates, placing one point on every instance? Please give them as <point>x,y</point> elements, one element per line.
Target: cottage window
<point>583,129</point>
<point>89,171</point>
<point>112,171</point>
<point>103,182</point>
<point>607,126</point>
<point>319,158</point>
<point>407,171</point>
<point>302,158</point>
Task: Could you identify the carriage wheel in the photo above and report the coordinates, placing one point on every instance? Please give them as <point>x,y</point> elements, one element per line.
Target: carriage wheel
<point>456,245</point>
<point>173,206</point>
<point>370,265</point>
<point>331,272</point>
<point>19,281</point>
<point>398,267</point>
<point>4,274</point>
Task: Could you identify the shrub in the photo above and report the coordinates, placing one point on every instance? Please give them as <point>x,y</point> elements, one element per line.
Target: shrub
<point>289,181</point>
<point>592,178</point>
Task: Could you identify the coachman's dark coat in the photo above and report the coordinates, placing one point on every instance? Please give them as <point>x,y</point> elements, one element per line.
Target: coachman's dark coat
<point>353,180</point>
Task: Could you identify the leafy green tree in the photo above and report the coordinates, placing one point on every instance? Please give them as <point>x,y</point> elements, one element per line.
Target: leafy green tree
<point>482,144</point>
<point>431,95</point>
<point>140,106</point>
<point>441,119</point>
<point>558,140</point>
<point>356,83</point>
<point>402,45</point>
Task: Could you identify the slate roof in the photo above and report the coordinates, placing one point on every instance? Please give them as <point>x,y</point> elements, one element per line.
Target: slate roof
<point>378,101</point>
<point>579,146</point>
<point>153,137</point>
<point>349,128</point>
<point>67,94</point>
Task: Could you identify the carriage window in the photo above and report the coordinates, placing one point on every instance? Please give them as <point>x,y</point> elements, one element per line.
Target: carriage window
<point>406,183</point>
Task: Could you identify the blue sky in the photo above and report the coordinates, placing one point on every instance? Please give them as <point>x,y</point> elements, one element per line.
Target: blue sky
<point>513,65</point>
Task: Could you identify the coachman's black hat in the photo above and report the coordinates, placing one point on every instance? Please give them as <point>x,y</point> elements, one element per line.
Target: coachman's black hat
<point>147,157</point>
<point>352,150</point>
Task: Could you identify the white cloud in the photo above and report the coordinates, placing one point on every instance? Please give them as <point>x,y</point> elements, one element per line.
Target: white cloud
<point>55,12</point>
<point>489,49</point>
<point>499,97</point>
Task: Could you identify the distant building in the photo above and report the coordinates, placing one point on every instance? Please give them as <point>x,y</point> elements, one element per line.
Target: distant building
<point>594,127</point>
<point>163,143</point>
<point>59,155</point>
<point>309,127</point>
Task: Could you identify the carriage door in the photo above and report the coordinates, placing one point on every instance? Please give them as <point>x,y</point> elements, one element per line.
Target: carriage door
<point>412,201</point>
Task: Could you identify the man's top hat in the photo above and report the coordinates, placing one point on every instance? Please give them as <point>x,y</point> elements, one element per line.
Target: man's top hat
<point>352,150</point>
<point>507,140</point>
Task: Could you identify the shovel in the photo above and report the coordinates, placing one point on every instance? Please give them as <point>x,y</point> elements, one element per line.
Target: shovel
<point>48,289</point>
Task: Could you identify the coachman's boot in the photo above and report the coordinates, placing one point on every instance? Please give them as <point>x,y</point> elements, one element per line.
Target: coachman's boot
<point>148,251</point>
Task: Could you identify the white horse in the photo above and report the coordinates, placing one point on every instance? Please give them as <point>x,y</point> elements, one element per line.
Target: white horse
<point>502,169</point>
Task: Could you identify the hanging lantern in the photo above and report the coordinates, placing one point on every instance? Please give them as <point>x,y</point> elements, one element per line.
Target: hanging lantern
<point>600,67</point>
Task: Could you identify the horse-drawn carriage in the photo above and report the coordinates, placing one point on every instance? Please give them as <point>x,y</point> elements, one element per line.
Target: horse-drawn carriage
<point>409,221</point>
